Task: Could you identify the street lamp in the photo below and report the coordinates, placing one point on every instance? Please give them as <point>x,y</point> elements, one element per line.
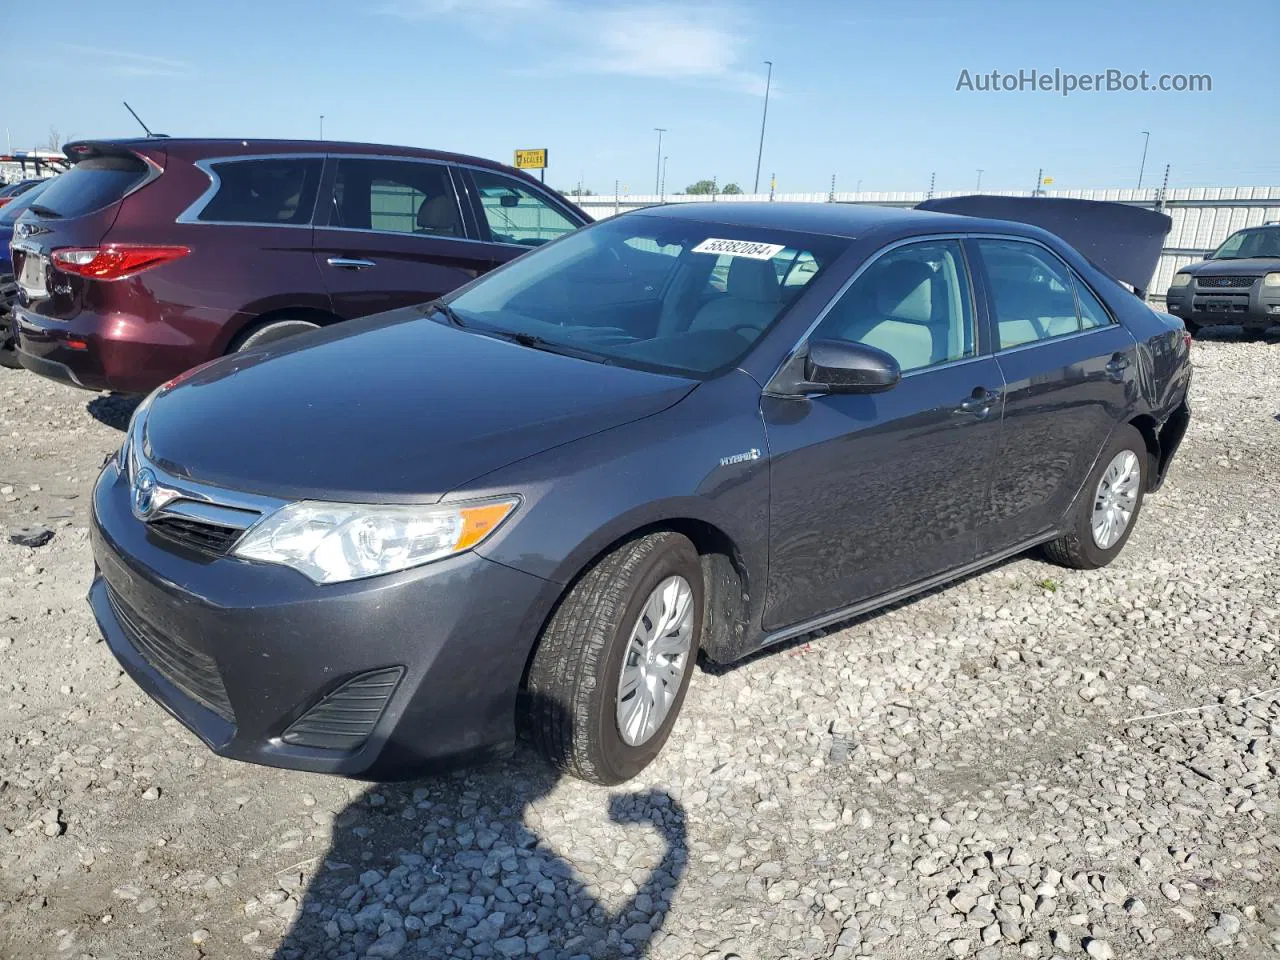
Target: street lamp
<point>662,188</point>
<point>1143,165</point>
<point>657,173</point>
<point>978,188</point>
<point>322,126</point>
<point>764,117</point>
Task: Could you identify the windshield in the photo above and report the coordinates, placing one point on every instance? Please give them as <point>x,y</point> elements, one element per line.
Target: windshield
<point>648,291</point>
<point>1249,243</point>
<point>11,210</point>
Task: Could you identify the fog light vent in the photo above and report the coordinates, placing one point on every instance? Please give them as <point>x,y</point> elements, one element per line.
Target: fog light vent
<point>344,719</point>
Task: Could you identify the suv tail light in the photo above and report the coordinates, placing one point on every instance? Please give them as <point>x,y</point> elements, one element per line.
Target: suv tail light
<point>114,261</point>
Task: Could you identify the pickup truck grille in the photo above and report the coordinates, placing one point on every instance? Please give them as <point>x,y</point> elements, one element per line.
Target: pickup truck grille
<point>1224,283</point>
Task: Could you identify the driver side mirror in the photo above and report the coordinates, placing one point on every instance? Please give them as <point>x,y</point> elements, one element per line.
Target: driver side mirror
<point>837,366</point>
<point>509,200</point>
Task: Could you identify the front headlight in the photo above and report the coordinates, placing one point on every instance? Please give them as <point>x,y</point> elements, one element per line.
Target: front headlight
<point>1180,280</point>
<point>1271,280</point>
<point>332,542</point>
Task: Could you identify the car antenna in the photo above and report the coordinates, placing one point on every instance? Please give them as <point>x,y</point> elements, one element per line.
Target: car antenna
<point>139,119</point>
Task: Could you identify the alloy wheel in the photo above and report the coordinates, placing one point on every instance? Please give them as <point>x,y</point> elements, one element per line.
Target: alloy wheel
<point>1114,502</point>
<point>655,660</point>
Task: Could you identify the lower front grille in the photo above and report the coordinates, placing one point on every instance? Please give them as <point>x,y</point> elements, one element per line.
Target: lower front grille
<point>192,672</point>
<point>211,538</point>
<point>344,719</point>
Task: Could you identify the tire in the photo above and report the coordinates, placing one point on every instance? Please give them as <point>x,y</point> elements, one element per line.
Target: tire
<point>572,693</point>
<point>1193,328</point>
<point>1079,547</point>
<point>270,332</point>
<point>9,356</point>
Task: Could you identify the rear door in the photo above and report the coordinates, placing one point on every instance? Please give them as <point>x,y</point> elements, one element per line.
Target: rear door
<point>1070,373</point>
<point>391,233</point>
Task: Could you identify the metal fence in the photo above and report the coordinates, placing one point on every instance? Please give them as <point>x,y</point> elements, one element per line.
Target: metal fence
<point>1202,216</point>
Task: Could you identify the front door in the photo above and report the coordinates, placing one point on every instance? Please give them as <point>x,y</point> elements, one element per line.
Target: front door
<point>1070,371</point>
<point>391,234</point>
<point>871,493</point>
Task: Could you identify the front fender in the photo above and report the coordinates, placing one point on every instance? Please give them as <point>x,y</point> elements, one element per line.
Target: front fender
<point>704,460</point>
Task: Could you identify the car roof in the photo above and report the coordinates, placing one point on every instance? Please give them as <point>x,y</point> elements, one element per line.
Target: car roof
<point>833,219</point>
<point>200,148</point>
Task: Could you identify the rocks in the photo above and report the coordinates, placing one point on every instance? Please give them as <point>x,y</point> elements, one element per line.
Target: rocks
<point>33,535</point>
<point>927,781</point>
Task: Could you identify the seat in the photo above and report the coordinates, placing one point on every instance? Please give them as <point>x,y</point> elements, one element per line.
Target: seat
<point>896,315</point>
<point>752,299</point>
<point>439,215</point>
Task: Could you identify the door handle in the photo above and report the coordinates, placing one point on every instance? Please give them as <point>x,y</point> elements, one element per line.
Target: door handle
<point>979,402</point>
<point>350,263</point>
<point>1118,365</point>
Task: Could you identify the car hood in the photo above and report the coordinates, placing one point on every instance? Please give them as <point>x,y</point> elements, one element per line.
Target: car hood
<point>396,407</point>
<point>1244,267</point>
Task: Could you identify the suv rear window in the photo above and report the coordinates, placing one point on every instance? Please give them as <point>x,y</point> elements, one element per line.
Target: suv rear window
<point>264,191</point>
<point>91,185</point>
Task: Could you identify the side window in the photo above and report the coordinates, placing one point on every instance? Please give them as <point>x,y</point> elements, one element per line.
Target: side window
<point>1092,312</point>
<point>264,191</point>
<point>1031,292</point>
<point>516,213</point>
<point>395,196</point>
<point>912,303</point>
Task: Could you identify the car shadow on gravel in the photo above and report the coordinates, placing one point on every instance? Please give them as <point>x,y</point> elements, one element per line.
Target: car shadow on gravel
<point>453,866</point>
<point>113,409</point>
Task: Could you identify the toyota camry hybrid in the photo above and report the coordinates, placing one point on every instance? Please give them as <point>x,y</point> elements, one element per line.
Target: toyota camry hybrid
<point>695,429</point>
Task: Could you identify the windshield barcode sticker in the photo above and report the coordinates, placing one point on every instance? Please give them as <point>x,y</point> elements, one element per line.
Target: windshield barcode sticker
<point>740,248</point>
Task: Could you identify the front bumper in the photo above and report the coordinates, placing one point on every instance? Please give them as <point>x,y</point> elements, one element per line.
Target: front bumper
<point>460,629</point>
<point>1255,306</point>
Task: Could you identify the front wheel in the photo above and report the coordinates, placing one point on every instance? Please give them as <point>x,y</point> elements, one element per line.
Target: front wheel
<point>1108,507</point>
<point>613,664</point>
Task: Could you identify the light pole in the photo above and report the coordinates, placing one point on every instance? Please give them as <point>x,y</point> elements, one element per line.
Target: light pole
<point>657,173</point>
<point>978,188</point>
<point>662,187</point>
<point>1143,165</point>
<point>764,117</point>
<point>322,126</point>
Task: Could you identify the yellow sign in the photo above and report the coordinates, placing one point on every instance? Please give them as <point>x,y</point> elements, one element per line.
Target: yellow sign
<point>531,159</point>
<point>1047,180</point>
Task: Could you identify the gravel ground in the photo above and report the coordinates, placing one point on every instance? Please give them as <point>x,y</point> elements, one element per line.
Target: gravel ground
<point>1034,762</point>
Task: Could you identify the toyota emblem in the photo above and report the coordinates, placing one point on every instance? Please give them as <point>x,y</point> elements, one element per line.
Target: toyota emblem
<point>144,492</point>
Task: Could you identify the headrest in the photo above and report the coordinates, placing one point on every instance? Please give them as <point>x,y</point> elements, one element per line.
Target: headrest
<point>752,280</point>
<point>904,289</point>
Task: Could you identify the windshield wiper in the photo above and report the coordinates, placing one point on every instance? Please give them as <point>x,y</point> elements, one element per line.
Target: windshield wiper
<point>534,342</point>
<point>447,311</point>
<point>43,211</point>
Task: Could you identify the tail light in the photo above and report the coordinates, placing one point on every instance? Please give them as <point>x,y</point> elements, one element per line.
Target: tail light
<point>4,200</point>
<point>114,261</point>
<point>1187,338</point>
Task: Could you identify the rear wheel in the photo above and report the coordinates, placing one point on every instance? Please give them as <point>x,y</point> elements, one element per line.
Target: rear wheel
<point>1108,507</point>
<point>613,664</point>
<point>270,332</point>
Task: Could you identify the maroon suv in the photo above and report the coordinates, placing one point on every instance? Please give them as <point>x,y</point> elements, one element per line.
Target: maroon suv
<point>150,256</point>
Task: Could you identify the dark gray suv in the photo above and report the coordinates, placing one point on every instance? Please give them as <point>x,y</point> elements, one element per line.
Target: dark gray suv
<point>1239,283</point>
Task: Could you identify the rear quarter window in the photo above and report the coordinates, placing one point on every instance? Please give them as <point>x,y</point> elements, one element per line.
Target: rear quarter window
<point>92,184</point>
<point>280,191</point>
